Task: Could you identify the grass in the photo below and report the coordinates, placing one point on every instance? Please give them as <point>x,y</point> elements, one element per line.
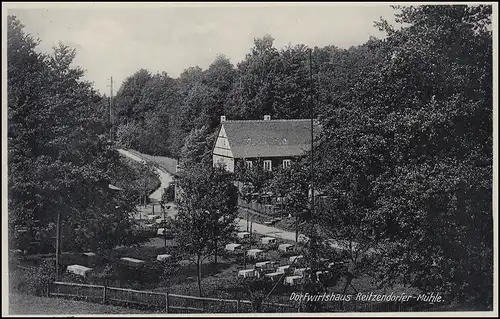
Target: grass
<point>222,283</point>
<point>287,223</point>
<point>167,163</point>
<point>137,177</point>
<point>20,304</point>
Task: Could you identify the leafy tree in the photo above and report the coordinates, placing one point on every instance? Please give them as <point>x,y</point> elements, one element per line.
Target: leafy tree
<point>59,160</point>
<point>292,184</point>
<point>198,147</point>
<point>253,91</point>
<point>129,95</point>
<point>413,151</point>
<point>129,135</point>
<point>198,101</point>
<point>135,179</point>
<point>291,85</point>
<point>207,210</point>
<point>254,180</point>
<point>219,76</point>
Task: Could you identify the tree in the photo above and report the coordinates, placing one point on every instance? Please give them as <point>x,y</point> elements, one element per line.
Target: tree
<point>291,84</point>
<point>59,160</point>
<point>254,180</point>
<point>413,151</point>
<point>207,210</point>
<point>198,147</point>
<point>135,179</point>
<point>129,95</point>
<point>157,105</point>
<point>292,185</point>
<point>219,76</point>
<point>252,93</point>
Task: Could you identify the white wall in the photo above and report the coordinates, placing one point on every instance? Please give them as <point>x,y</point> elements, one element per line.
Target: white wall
<point>222,151</point>
<point>227,162</point>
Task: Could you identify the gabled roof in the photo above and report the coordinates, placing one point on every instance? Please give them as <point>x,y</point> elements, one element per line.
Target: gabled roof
<point>269,138</point>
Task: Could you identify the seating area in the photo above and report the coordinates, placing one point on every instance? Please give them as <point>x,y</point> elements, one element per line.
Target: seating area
<point>233,247</point>
<point>264,265</point>
<point>164,257</point>
<point>273,259</point>
<point>285,247</point>
<point>78,270</point>
<point>248,273</point>
<point>274,275</point>
<point>292,280</point>
<point>254,253</point>
<point>132,262</point>
<point>243,235</point>
<point>268,240</point>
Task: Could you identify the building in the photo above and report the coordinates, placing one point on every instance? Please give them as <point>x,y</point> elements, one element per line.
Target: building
<point>276,142</point>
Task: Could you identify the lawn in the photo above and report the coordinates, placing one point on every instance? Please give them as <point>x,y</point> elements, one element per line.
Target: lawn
<point>20,304</point>
<point>166,163</point>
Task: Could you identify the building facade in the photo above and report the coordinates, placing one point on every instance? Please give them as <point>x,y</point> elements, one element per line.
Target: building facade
<point>271,143</point>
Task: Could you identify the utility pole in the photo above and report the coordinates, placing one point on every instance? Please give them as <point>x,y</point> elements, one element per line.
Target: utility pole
<point>312,235</point>
<point>312,132</point>
<point>296,232</point>
<point>110,106</point>
<point>58,243</point>
<point>251,234</point>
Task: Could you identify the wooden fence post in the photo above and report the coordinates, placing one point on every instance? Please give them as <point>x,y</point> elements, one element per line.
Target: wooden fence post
<point>166,302</point>
<point>48,289</point>
<point>104,293</point>
<point>237,306</point>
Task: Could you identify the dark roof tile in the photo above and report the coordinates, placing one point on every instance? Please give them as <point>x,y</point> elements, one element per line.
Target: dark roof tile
<point>271,138</point>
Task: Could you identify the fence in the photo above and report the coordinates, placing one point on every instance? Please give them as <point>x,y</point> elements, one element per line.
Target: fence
<point>263,208</point>
<point>169,303</point>
<point>173,303</point>
<point>273,206</point>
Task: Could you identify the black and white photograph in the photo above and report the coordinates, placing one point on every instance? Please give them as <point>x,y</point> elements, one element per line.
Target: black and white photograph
<point>249,158</point>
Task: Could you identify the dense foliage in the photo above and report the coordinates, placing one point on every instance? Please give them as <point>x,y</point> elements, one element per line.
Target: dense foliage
<point>407,153</point>
<point>59,160</point>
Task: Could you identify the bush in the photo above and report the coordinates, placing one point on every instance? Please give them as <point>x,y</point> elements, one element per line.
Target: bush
<point>33,280</point>
<point>71,277</point>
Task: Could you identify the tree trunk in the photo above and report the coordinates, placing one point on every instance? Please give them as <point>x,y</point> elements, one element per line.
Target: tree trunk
<point>349,278</point>
<point>58,244</point>
<point>244,260</point>
<point>281,204</point>
<point>198,264</point>
<point>215,256</point>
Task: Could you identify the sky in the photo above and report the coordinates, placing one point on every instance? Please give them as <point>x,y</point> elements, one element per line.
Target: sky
<point>117,40</point>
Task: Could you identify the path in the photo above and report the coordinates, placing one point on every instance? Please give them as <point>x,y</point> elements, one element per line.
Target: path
<point>166,179</point>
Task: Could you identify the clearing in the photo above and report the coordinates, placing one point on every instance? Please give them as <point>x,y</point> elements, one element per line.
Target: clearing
<point>20,304</point>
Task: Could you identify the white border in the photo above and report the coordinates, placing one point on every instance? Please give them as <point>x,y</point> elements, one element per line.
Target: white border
<point>26,5</point>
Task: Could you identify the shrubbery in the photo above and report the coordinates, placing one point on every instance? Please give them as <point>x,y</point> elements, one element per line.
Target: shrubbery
<point>32,280</point>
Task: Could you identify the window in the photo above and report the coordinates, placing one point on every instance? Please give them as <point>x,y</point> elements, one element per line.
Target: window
<point>267,165</point>
<point>248,164</point>
<point>286,163</point>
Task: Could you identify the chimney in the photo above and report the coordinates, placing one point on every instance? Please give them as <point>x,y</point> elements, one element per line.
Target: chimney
<point>267,117</point>
<point>223,118</point>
